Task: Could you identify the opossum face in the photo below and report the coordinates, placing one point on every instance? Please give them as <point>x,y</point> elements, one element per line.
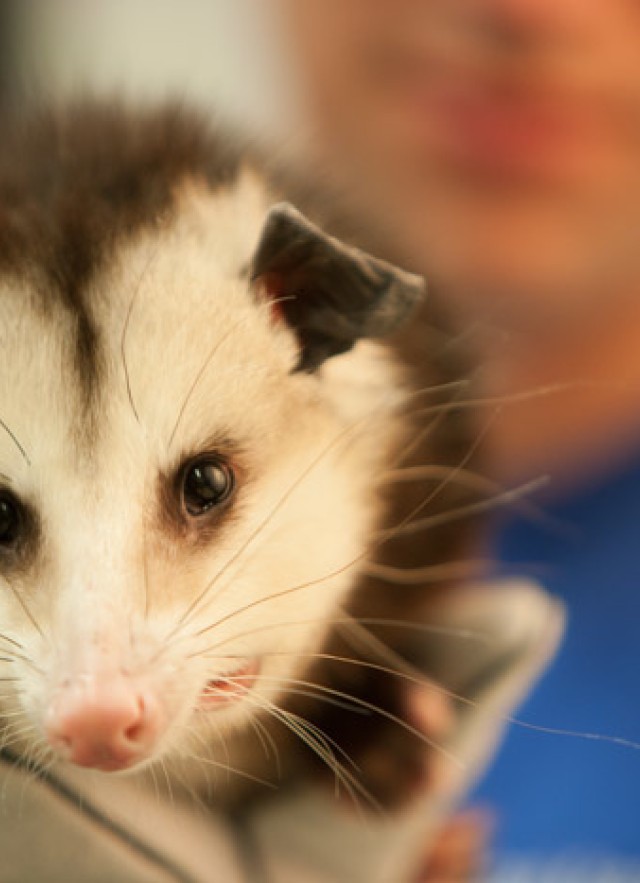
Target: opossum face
<point>181,509</point>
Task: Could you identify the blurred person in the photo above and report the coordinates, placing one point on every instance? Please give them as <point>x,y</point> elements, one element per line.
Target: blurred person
<point>498,141</point>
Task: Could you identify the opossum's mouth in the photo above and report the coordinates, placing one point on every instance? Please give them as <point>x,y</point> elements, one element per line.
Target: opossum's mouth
<point>230,686</point>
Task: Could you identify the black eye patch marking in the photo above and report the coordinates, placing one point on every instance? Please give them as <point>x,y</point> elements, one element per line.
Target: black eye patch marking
<point>11,520</point>
<point>20,531</point>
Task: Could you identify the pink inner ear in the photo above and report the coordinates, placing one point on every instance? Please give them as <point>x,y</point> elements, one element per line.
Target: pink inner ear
<point>270,287</point>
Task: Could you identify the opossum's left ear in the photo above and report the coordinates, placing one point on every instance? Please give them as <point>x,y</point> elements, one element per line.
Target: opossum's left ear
<point>329,293</point>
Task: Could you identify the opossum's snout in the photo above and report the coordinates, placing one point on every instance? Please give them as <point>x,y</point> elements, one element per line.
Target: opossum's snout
<point>107,722</point>
<point>112,709</point>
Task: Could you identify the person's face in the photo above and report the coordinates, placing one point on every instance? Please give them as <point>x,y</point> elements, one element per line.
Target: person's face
<point>501,138</point>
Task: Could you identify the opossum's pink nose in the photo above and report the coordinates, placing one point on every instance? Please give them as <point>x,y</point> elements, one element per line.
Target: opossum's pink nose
<point>106,725</point>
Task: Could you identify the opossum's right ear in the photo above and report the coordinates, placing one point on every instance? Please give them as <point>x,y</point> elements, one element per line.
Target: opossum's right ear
<point>329,293</point>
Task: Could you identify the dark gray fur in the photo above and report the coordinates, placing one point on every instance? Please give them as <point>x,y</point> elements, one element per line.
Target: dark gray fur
<point>332,294</point>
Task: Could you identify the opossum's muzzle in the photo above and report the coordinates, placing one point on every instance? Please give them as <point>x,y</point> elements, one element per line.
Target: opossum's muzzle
<point>106,722</point>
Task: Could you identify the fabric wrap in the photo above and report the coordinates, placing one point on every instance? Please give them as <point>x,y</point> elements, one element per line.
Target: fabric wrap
<point>64,826</point>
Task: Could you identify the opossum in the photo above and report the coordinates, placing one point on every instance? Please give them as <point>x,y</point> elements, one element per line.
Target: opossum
<point>196,418</point>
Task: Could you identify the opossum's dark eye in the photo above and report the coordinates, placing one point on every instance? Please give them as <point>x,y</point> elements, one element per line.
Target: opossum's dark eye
<point>9,519</point>
<point>207,483</point>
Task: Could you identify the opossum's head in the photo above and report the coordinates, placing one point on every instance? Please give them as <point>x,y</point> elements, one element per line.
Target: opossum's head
<point>186,463</point>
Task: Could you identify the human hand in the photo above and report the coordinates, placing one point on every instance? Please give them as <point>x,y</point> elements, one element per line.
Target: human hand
<point>459,853</point>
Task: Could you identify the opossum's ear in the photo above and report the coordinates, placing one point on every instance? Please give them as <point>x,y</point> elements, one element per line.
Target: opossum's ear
<point>329,293</point>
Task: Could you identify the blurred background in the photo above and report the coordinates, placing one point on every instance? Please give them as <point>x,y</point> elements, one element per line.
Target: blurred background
<point>225,55</point>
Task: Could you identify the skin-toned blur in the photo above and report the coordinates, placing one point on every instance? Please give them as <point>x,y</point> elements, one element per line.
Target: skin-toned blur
<point>500,140</point>
<point>504,135</point>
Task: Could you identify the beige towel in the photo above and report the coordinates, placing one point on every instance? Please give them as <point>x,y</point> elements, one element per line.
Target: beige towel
<point>70,828</point>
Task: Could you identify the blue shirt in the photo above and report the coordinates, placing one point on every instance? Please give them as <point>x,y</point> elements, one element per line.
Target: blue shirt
<point>564,802</point>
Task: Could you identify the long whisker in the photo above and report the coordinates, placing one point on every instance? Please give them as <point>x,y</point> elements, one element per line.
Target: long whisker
<point>412,673</point>
<point>414,576</point>
<point>447,480</point>
<point>9,640</point>
<point>123,356</point>
<point>620,741</point>
<point>446,386</point>
<point>436,573</point>
<point>204,367</point>
<point>419,678</point>
<point>301,729</point>
<point>14,439</point>
<point>196,381</point>
<point>154,779</point>
<point>430,521</point>
<point>424,628</point>
<point>230,769</point>
<point>25,608</point>
<point>297,691</point>
<point>343,776</point>
<point>331,692</point>
<point>145,568</point>
<point>195,798</point>
<point>125,331</point>
<point>272,597</point>
<point>322,745</point>
<point>266,742</point>
<point>436,472</point>
<point>471,330</point>
<point>475,481</point>
<point>423,434</point>
<point>326,738</point>
<point>499,401</point>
